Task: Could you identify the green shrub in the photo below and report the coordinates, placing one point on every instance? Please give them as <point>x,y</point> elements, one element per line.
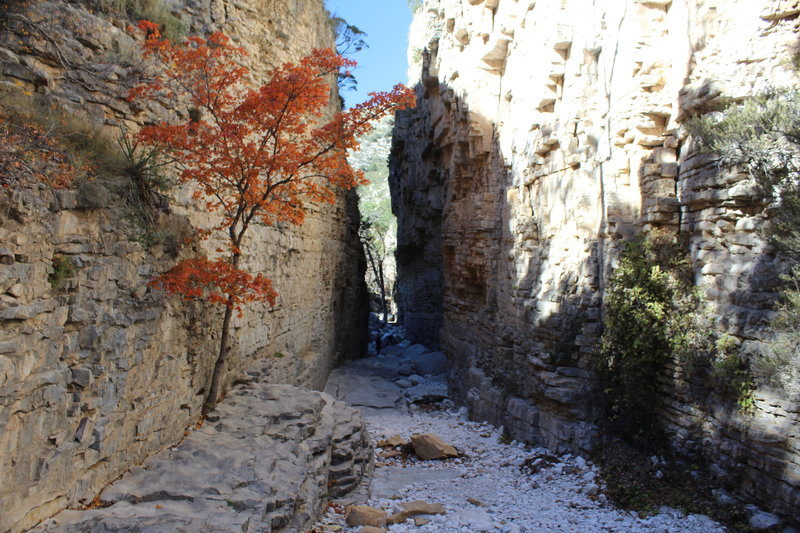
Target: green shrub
<point>761,135</point>
<point>731,376</point>
<point>63,268</point>
<point>651,318</point>
<point>415,5</point>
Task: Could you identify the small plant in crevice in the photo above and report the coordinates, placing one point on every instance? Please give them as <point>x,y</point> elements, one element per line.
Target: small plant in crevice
<point>156,11</point>
<point>417,55</point>
<point>415,5</point>
<point>144,189</point>
<point>731,375</point>
<point>145,168</point>
<point>64,267</point>
<point>505,437</point>
<point>57,146</point>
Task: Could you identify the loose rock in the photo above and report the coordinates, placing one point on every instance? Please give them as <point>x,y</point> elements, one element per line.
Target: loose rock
<point>393,441</point>
<point>363,515</point>
<point>762,520</point>
<point>428,446</point>
<point>372,529</point>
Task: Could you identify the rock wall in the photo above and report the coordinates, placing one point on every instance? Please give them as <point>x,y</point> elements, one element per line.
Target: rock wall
<point>547,133</point>
<point>99,373</point>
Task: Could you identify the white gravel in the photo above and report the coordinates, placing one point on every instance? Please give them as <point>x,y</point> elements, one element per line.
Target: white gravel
<point>487,491</point>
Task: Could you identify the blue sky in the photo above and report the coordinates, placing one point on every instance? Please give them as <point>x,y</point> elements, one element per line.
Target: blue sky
<point>384,63</point>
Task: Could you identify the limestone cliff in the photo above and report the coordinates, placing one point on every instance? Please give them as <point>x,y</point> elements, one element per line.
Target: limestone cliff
<point>548,132</point>
<point>100,372</point>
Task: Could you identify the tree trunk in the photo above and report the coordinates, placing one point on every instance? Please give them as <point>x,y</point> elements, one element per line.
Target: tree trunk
<point>216,377</point>
<point>382,283</point>
<point>219,366</point>
<point>378,278</point>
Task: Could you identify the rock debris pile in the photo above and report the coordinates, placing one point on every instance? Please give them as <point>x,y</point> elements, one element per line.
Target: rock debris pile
<point>479,482</point>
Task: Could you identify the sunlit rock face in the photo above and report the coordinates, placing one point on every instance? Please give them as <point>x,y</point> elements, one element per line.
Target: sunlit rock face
<point>546,134</point>
<point>100,372</point>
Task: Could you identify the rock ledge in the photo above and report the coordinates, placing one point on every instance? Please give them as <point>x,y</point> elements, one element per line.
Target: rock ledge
<point>266,460</point>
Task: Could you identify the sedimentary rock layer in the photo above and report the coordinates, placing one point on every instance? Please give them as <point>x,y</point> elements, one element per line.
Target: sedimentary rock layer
<point>546,134</point>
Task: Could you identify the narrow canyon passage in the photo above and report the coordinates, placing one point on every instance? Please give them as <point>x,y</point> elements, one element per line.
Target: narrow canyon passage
<point>571,247</point>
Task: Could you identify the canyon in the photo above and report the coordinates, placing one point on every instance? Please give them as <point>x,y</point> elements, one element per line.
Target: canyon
<point>546,135</point>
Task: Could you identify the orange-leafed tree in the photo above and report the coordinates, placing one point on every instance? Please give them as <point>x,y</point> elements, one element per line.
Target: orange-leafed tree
<point>251,154</point>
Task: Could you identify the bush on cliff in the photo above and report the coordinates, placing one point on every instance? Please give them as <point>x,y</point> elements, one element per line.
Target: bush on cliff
<point>65,149</point>
<point>761,136</point>
<point>650,319</point>
<point>154,10</point>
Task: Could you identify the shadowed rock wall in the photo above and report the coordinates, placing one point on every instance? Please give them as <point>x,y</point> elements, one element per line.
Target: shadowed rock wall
<point>101,372</point>
<point>546,134</point>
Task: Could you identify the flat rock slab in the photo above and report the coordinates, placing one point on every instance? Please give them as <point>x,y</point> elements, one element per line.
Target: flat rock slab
<point>362,390</point>
<point>266,460</point>
<point>389,480</point>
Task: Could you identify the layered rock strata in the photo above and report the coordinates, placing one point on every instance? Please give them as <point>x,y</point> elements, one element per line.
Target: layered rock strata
<point>547,133</point>
<point>97,371</point>
<point>266,460</point>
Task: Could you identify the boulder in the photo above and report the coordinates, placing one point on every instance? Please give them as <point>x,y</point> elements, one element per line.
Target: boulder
<point>761,520</point>
<point>414,351</point>
<point>430,364</point>
<point>428,446</point>
<point>405,370</point>
<point>364,515</point>
<point>389,454</point>
<point>416,379</point>
<point>475,519</point>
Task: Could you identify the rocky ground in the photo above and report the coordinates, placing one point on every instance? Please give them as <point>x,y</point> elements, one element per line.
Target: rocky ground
<point>270,455</point>
<point>264,461</point>
<point>491,485</point>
